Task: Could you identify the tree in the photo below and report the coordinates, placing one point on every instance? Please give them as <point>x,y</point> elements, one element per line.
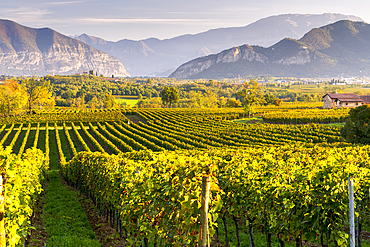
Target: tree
<point>170,95</point>
<point>269,99</point>
<point>251,96</point>
<point>233,103</point>
<point>12,98</point>
<point>38,92</point>
<point>277,102</point>
<point>357,127</point>
<point>149,103</point>
<point>222,102</point>
<point>109,101</point>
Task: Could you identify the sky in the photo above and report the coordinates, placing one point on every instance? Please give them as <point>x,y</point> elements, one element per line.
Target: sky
<point>140,19</point>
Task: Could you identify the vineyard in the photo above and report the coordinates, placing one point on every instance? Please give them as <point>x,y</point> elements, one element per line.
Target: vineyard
<point>307,116</point>
<point>143,170</point>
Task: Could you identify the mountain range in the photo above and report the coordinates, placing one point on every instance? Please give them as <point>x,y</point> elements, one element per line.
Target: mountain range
<point>30,51</point>
<point>341,48</point>
<point>154,57</point>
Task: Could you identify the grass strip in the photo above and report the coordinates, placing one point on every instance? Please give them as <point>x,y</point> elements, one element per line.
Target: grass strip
<point>65,220</point>
<point>251,120</point>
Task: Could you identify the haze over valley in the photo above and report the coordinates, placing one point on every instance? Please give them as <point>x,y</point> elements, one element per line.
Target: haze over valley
<point>155,57</point>
<point>27,51</point>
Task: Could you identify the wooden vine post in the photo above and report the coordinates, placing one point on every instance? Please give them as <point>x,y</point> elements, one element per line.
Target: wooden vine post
<point>204,231</point>
<point>2,213</point>
<point>351,214</point>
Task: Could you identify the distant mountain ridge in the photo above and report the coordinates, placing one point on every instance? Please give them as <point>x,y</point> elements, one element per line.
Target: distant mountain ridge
<point>160,57</point>
<point>332,50</point>
<point>30,51</point>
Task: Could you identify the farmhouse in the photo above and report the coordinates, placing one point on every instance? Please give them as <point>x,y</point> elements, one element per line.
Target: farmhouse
<point>338,100</point>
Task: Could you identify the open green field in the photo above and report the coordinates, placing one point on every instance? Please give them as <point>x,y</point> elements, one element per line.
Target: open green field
<point>336,124</point>
<point>129,100</point>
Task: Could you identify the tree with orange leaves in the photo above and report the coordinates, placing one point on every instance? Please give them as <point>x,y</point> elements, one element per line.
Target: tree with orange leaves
<point>38,93</point>
<point>12,98</point>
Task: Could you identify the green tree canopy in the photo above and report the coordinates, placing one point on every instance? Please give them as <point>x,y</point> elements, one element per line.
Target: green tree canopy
<point>170,95</point>
<point>251,96</point>
<point>357,127</point>
<point>109,101</point>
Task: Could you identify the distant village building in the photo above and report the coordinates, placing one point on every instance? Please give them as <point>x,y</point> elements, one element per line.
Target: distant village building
<point>338,100</point>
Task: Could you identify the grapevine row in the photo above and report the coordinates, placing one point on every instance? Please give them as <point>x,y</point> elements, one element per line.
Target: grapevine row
<point>291,191</point>
<point>130,141</point>
<point>70,142</point>
<point>122,145</point>
<point>25,139</point>
<point>94,142</point>
<point>35,142</point>
<point>104,140</point>
<point>62,158</point>
<point>79,138</point>
<point>15,137</point>
<point>25,176</point>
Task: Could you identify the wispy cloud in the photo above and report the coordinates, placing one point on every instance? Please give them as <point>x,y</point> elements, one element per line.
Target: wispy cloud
<point>135,20</point>
<point>65,2</point>
<point>25,14</point>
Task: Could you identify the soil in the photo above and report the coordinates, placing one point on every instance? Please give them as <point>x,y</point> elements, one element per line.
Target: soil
<point>38,236</point>
<point>28,141</point>
<point>75,141</point>
<point>135,119</point>
<point>3,133</point>
<point>365,235</point>
<point>56,146</point>
<point>68,146</point>
<point>18,142</point>
<point>10,137</point>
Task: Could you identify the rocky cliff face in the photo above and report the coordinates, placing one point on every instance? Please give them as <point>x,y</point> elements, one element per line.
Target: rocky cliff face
<point>188,70</point>
<point>28,51</point>
<point>239,55</point>
<point>341,48</point>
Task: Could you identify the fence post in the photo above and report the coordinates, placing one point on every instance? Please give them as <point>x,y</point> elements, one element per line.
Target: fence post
<point>204,233</point>
<point>358,239</point>
<point>351,214</point>
<point>2,213</point>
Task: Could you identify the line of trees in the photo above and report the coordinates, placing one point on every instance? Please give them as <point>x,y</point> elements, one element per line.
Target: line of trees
<point>99,92</point>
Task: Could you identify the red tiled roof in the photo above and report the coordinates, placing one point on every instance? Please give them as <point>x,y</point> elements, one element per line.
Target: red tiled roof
<point>350,97</point>
<point>346,97</point>
<point>365,99</point>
